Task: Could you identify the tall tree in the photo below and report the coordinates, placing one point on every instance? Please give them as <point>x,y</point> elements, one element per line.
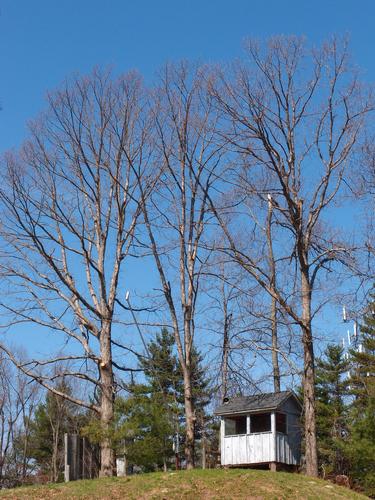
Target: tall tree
<point>292,117</point>
<point>70,207</point>
<point>273,309</point>
<point>177,214</point>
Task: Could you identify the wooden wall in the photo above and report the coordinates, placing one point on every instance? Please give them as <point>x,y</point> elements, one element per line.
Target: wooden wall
<point>246,449</point>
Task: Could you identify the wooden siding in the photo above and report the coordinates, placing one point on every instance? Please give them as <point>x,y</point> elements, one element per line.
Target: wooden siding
<point>257,448</point>
<point>294,436</point>
<point>247,449</point>
<point>292,409</point>
<point>285,453</point>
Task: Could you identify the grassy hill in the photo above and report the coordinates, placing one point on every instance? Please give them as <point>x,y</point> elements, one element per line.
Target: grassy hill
<point>197,484</point>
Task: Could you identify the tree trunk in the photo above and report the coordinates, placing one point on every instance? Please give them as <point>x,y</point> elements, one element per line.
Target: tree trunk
<point>55,451</point>
<point>25,448</point>
<point>224,375</point>
<point>272,265</point>
<point>106,451</point>
<point>107,458</point>
<point>190,420</point>
<point>311,452</point>
<point>275,357</point>
<point>204,449</point>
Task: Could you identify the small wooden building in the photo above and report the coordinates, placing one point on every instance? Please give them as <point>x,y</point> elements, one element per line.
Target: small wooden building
<point>261,430</point>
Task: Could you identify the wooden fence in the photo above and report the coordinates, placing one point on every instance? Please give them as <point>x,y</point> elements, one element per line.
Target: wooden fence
<point>81,458</point>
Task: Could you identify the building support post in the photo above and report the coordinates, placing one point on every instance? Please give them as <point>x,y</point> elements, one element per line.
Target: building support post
<point>273,462</point>
<point>222,435</point>
<point>66,458</point>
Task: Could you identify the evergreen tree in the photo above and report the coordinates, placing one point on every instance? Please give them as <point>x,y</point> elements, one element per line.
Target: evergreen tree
<point>201,397</point>
<point>201,384</point>
<point>161,367</point>
<point>164,375</point>
<point>148,419</point>
<point>361,448</point>
<point>145,430</point>
<point>164,379</point>
<point>153,415</point>
<point>51,420</point>
<point>331,391</point>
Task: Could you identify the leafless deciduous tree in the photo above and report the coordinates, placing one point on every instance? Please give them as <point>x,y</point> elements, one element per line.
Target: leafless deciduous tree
<point>18,399</point>
<point>273,309</point>
<point>177,214</point>
<point>292,118</point>
<point>362,184</point>
<point>70,206</point>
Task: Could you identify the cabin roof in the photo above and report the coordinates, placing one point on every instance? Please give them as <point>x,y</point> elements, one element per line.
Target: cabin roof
<point>265,401</point>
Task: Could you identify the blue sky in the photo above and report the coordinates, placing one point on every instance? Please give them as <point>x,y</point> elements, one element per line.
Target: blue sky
<point>44,41</point>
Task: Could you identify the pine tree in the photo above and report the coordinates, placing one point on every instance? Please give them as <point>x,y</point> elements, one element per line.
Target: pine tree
<point>148,419</point>
<point>361,448</point>
<point>331,391</point>
<point>161,367</point>
<point>165,380</point>
<point>201,384</point>
<point>144,430</point>
<point>164,375</point>
<point>153,415</point>
<point>201,398</point>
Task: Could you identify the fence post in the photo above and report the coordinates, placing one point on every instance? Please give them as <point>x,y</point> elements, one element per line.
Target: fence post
<point>66,458</point>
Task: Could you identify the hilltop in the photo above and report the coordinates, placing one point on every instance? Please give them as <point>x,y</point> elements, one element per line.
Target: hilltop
<point>196,484</point>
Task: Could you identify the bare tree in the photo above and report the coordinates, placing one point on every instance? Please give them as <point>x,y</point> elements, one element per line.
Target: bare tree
<point>29,396</point>
<point>10,411</point>
<point>273,287</point>
<point>225,290</point>
<point>70,206</point>
<point>292,118</point>
<point>18,399</point>
<point>226,347</point>
<point>362,184</point>
<point>176,215</point>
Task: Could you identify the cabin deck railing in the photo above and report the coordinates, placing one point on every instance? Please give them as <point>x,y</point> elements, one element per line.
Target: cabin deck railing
<point>256,448</point>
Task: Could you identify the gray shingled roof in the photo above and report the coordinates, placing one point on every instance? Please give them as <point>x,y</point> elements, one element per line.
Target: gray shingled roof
<point>268,401</point>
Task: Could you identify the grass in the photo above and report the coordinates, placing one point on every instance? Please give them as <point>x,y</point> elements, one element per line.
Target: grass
<point>197,484</point>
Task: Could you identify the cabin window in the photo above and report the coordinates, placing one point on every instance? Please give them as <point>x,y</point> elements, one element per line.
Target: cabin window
<point>235,425</point>
<point>260,422</point>
<point>281,422</point>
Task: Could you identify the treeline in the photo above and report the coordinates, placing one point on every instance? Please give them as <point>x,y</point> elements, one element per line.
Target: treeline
<point>221,186</point>
<point>147,432</point>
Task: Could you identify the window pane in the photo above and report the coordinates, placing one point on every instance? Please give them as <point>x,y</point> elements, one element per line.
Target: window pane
<point>235,425</point>
<point>260,423</point>
<point>230,426</point>
<point>281,422</point>
<point>241,425</point>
